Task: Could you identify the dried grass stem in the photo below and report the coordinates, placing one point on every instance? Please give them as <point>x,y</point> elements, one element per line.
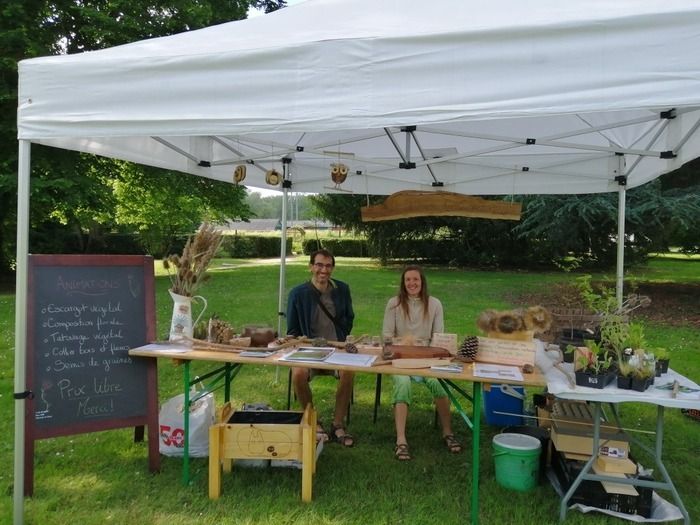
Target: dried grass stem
<point>187,271</point>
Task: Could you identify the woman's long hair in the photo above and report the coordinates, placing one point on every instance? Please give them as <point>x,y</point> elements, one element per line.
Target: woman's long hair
<point>403,293</point>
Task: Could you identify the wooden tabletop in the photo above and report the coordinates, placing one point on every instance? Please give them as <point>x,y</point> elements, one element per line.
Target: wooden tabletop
<point>177,352</point>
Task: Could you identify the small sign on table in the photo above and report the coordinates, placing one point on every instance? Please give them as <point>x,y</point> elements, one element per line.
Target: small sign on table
<point>506,352</point>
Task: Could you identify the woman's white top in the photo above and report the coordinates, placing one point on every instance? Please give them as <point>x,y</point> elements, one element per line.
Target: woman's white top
<point>416,324</point>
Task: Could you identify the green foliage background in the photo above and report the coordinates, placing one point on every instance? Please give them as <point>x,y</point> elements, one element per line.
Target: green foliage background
<point>84,194</point>
<point>566,231</point>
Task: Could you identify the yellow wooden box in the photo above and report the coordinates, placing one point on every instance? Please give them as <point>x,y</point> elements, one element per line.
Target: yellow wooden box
<point>262,435</point>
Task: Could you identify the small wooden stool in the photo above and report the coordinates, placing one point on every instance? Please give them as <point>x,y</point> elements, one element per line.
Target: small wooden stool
<point>263,434</point>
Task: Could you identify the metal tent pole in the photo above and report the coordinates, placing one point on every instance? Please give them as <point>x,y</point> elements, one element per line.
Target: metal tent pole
<point>621,195</point>
<point>23,175</point>
<point>286,185</point>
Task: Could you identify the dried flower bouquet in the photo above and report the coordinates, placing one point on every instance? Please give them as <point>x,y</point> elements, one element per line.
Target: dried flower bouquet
<point>187,271</point>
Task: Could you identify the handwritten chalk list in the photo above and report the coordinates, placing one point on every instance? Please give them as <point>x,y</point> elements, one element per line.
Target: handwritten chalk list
<point>85,313</point>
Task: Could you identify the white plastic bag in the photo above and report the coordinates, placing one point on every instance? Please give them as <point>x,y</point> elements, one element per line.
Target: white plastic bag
<point>171,423</point>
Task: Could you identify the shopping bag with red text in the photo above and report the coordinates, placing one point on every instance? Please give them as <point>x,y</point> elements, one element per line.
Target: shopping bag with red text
<point>171,423</point>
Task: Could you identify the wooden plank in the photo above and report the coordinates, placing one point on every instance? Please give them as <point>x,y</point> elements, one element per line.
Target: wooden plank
<point>410,203</point>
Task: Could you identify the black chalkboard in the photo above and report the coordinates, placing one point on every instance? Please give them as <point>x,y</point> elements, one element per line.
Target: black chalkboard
<point>84,313</point>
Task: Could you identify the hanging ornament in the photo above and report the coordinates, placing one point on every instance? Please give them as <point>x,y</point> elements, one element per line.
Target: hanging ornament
<point>272,177</point>
<point>239,174</point>
<point>339,172</point>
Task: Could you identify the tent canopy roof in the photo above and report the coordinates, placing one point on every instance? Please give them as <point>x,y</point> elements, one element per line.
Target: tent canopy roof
<point>498,97</point>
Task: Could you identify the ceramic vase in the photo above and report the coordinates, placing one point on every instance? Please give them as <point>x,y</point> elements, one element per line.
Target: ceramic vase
<point>181,324</point>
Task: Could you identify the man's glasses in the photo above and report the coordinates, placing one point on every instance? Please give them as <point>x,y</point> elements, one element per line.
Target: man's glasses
<point>322,266</point>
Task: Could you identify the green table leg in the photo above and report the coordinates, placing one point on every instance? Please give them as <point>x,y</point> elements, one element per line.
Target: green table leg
<point>186,451</point>
<point>227,381</point>
<point>476,433</point>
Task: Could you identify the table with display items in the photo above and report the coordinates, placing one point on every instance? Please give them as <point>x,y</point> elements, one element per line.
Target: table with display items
<point>686,394</point>
<point>228,364</point>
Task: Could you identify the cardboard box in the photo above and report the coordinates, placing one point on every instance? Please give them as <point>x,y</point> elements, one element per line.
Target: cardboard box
<point>581,441</point>
<point>576,457</point>
<point>609,465</point>
<point>611,487</point>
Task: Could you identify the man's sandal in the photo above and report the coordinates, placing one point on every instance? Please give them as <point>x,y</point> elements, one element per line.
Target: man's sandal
<point>340,435</point>
<point>452,444</point>
<point>401,452</point>
<point>321,435</point>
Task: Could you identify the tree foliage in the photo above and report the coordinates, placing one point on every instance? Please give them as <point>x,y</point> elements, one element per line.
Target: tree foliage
<point>299,207</point>
<point>161,204</point>
<point>71,190</point>
<point>555,230</point>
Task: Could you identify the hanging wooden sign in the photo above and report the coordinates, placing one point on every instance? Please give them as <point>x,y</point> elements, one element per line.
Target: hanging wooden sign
<point>410,203</point>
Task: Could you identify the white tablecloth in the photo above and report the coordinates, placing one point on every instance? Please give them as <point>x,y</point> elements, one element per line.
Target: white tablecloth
<point>559,385</point>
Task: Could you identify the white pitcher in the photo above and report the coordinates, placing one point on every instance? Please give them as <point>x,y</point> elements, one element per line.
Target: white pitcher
<point>181,324</point>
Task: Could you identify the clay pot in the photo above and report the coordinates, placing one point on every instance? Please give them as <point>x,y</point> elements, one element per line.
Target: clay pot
<point>259,335</point>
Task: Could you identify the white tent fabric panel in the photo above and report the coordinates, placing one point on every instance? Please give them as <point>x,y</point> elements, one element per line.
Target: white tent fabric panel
<point>570,154</point>
<point>585,80</point>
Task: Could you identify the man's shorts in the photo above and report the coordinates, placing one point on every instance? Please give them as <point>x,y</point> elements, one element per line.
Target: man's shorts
<point>313,372</point>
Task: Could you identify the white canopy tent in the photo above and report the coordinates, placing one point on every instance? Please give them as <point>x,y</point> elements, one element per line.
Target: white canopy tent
<point>511,97</point>
<point>474,97</point>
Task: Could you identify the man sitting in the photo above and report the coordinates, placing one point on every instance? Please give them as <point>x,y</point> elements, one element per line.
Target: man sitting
<point>322,308</point>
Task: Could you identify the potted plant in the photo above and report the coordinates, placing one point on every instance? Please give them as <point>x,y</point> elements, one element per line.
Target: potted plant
<point>625,372</point>
<point>635,337</point>
<point>594,366</point>
<point>644,372</point>
<point>616,331</point>
<point>662,359</point>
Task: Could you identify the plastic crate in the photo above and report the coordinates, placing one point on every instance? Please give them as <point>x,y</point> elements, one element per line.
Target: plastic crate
<point>592,493</point>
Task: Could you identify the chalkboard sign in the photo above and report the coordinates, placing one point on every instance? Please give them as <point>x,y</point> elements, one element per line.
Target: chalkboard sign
<point>84,314</point>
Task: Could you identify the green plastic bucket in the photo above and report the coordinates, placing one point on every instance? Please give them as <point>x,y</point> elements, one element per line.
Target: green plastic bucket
<point>517,458</point>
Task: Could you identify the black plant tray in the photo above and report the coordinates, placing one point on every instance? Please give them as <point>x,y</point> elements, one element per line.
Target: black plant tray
<point>595,380</point>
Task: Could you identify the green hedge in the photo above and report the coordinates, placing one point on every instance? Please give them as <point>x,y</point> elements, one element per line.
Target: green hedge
<point>51,239</point>
<point>253,246</point>
<point>339,247</point>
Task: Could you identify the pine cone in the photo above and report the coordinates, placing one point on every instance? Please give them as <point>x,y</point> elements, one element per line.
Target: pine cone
<point>351,348</point>
<point>319,341</point>
<point>219,331</point>
<point>468,349</point>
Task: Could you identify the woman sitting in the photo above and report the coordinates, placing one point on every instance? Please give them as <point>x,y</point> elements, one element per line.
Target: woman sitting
<point>414,315</point>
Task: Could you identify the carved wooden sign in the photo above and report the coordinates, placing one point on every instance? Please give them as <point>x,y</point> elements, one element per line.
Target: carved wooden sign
<point>506,352</point>
<point>411,203</point>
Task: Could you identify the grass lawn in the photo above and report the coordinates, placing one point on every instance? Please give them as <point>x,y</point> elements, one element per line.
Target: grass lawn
<point>103,477</point>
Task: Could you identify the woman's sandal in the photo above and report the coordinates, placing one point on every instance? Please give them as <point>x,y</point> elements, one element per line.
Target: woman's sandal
<point>401,452</point>
<point>344,438</point>
<point>453,445</point>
